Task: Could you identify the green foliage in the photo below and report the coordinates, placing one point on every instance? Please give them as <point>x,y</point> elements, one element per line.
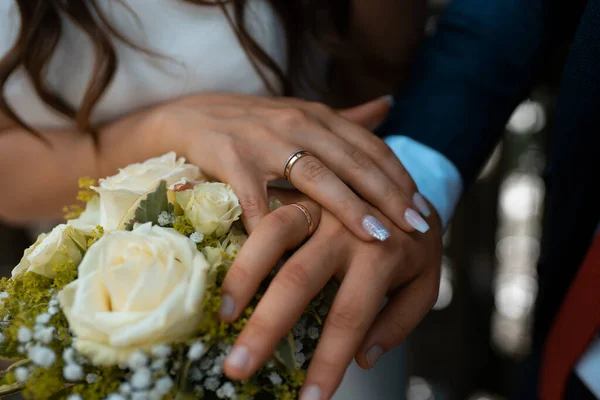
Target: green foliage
<point>284,353</point>
<point>183,225</point>
<point>154,203</point>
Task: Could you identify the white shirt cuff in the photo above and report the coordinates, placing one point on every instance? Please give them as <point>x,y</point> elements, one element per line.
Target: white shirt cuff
<point>436,177</point>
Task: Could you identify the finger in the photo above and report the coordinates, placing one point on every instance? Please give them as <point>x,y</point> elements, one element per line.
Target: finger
<point>252,196</point>
<point>352,313</point>
<point>398,319</point>
<point>368,115</point>
<point>316,180</point>
<point>283,229</point>
<point>300,279</point>
<point>369,166</point>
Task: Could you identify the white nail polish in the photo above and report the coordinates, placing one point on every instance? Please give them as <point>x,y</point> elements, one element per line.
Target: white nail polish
<point>227,308</point>
<point>389,98</point>
<point>421,204</point>
<point>373,355</point>
<point>238,358</point>
<point>415,220</point>
<point>311,393</point>
<point>375,228</point>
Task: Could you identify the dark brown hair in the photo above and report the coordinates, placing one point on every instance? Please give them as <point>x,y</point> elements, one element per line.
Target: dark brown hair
<point>323,21</point>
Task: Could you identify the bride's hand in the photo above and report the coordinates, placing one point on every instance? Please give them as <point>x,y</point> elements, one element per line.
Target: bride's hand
<point>405,268</point>
<point>246,140</point>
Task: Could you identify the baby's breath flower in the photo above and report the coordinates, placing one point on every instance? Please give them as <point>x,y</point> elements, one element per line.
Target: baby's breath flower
<point>206,363</point>
<point>24,335</point>
<point>41,355</point>
<point>227,391</point>
<point>91,378</point>
<point>300,358</point>
<point>137,360</point>
<point>141,379</point>
<point>74,396</point>
<point>197,237</point>
<point>42,318</point>
<point>2,337</point>
<point>73,372</point>
<point>43,334</point>
<point>323,310</point>
<point>313,333</point>
<point>196,375</point>
<point>275,378</point>
<point>143,395</point>
<point>165,218</point>
<point>196,351</point>
<point>212,383</point>
<point>116,396</point>
<point>163,385</point>
<point>299,331</point>
<point>53,310</point>
<point>159,364</point>
<point>161,351</point>
<point>3,295</point>
<point>21,349</point>
<point>21,374</point>
<point>68,355</point>
<point>125,388</point>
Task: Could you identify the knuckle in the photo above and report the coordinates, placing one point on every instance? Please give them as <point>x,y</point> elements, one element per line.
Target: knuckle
<point>320,108</point>
<point>293,276</point>
<point>360,159</point>
<point>292,116</point>
<point>280,219</point>
<point>251,207</point>
<point>236,274</point>
<point>394,195</point>
<point>380,148</point>
<point>346,318</point>
<point>398,329</point>
<point>314,171</point>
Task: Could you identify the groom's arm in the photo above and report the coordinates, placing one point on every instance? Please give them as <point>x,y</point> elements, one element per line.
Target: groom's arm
<point>465,83</point>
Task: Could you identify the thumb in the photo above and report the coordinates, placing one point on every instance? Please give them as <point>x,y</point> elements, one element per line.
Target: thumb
<point>369,115</point>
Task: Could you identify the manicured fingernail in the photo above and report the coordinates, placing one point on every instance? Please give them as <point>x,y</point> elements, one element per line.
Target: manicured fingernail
<point>238,358</point>
<point>389,98</point>
<point>421,204</point>
<point>373,355</point>
<point>311,393</point>
<point>375,228</point>
<point>227,307</point>
<point>415,220</point>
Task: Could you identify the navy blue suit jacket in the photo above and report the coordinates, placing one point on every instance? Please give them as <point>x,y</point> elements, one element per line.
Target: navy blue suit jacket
<point>466,82</point>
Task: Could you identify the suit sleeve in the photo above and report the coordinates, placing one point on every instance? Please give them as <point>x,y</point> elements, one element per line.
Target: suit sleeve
<point>466,81</point>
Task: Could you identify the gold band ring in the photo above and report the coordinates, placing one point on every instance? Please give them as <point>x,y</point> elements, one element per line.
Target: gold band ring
<point>309,218</point>
<point>287,167</point>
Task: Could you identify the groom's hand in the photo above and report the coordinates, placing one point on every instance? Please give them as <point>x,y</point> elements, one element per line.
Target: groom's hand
<point>405,268</point>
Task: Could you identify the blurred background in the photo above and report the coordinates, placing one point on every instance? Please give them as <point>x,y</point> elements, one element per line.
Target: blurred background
<point>472,345</point>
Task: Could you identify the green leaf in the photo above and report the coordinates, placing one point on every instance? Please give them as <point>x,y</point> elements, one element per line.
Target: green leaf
<point>155,202</point>
<point>285,352</point>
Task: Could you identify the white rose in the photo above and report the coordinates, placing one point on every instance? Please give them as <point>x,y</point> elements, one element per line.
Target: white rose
<point>89,218</point>
<point>63,243</point>
<point>234,241</point>
<point>135,290</point>
<point>120,192</point>
<point>211,207</point>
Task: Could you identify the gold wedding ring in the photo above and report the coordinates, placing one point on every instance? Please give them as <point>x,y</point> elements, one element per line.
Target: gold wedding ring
<point>287,167</point>
<point>309,218</point>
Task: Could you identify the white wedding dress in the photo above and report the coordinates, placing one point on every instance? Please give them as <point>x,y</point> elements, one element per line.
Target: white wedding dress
<point>203,55</point>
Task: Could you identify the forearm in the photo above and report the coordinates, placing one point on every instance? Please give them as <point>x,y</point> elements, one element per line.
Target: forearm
<point>39,177</point>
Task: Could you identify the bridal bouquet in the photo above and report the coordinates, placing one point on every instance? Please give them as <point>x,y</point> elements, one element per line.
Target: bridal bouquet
<point>121,302</point>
